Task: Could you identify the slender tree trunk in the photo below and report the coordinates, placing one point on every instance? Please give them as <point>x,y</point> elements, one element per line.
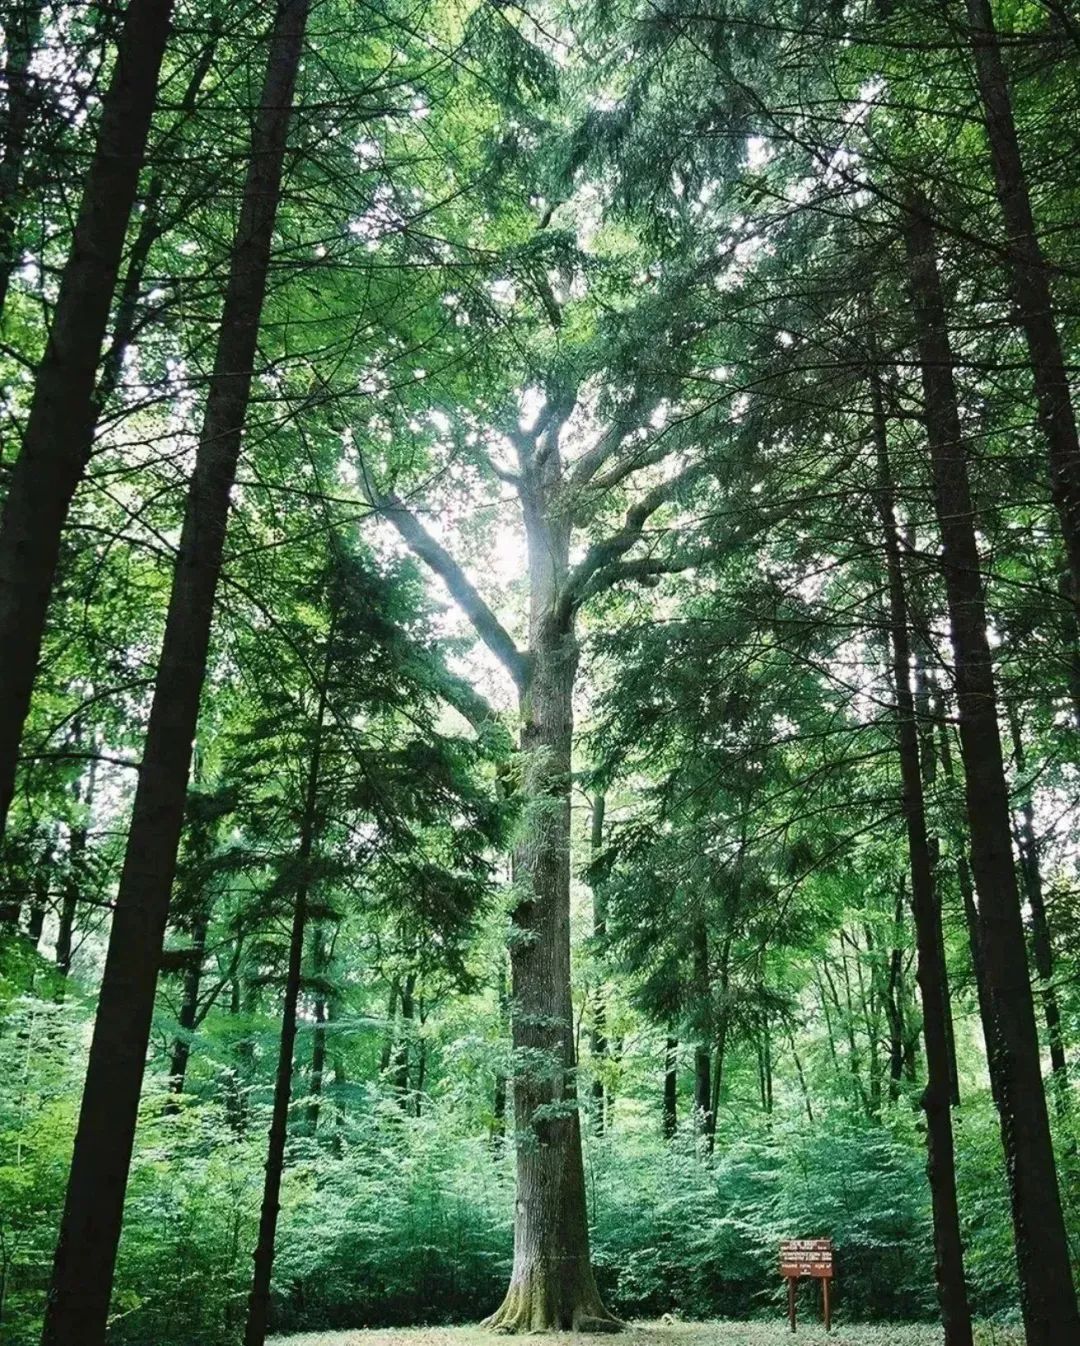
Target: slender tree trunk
<point>1042,947</point>
<point>801,1073</point>
<point>189,1007</point>
<point>703,1048</point>
<point>259,1300</point>
<point>60,424</point>
<point>69,900</point>
<point>391,1027</point>
<point>894,1004</point>
<point>39,904</point>
<point>931,973</point>
<point>319,964</point>
<point>498,1105</point>
<point>22,32</point>
<point>599,1043</point>
<point>404,1041</point>
<point>1030,282</point>
<point>671,1087</point>
<point>1047,1295</point>
<point>90,1228</point>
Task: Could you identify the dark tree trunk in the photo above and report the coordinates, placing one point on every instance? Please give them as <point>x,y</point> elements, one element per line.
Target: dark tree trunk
<point>259,1300</point>
<point>498,1105</point>
<point>391,1027</point>
<point>319,967</point>
<point>90,1229</point>
<point>1042,947</point>
<point>1030,283</point>
<point>599,1043</point>
<point>894,1002</point>
<point>400,1077</point>
<point>671,1087</point>
<point>764,1054</point>
<point>189,1006</point>
<point>1047,1295</point>
<point>931,973</point>
<point>39,903</point>
<point>69,898</point>
<point>801,1073</point>
<point>22,31</point>
<point>703,1049</point>
<point>60,424</point>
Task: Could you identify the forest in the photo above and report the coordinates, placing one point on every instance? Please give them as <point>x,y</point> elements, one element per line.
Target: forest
<point>539,670</point>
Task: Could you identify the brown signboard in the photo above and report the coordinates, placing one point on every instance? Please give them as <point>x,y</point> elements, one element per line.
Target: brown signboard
<point>806,1257</point>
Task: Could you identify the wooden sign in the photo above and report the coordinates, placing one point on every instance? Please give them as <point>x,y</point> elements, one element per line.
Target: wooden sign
<point>807,1257</point>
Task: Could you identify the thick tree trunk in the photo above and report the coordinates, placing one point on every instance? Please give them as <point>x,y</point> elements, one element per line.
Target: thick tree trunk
<point>90,1228</point>
<point>1030,283</point>
<point>60,424</point>
<point>931,973</point>
<point>259,1300</point>
<point>552,1284</point>
<point>671,1087</point>
<point>1047,1295</point>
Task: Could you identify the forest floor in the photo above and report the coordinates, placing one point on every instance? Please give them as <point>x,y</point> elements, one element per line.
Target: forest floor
<point>662,1334</point>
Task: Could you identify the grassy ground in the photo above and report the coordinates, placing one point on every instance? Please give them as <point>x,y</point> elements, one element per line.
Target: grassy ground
<point>660,1334</point>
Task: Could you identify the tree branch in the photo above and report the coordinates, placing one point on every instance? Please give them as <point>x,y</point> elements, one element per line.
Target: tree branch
<point>487,626</point>
<point>602,556</point>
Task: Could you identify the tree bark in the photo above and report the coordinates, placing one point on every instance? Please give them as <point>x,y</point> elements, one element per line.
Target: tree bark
<point>259,1300</point>
<point>78,1303</point>
<point>400,1077</point>
<point>671,1087</point>
<point>319,966</point>
<point>1042,947</point>
<point>60,424</point>
<point>599,1042</point>
<point>551,1284</point>
<point>931,974</point>
<point>1047,1295</point>
<point>77,838</point>
<point>1030,283</point>
<point>703,1048</point>
<point>22,32</point>
<point>189,1007</point>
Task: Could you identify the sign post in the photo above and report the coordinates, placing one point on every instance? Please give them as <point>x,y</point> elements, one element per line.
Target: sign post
<point>807,1257</point>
